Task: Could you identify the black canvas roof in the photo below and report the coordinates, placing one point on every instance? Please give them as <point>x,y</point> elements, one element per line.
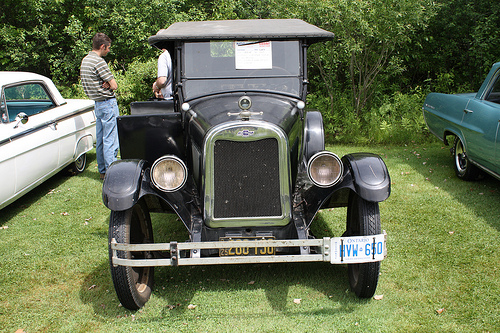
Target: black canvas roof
<point>268,29</point>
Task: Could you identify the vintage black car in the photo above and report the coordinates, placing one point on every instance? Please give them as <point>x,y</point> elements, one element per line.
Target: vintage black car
<point>241,162</point>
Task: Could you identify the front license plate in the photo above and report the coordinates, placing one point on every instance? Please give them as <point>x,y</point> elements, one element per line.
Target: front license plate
<point>246,251</point>
<point>358,249</point>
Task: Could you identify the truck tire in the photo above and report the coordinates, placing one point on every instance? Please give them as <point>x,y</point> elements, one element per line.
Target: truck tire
<point>133,285</point>
<point>363,218</point>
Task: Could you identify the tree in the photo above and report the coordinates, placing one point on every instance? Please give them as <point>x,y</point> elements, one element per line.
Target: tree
<point>51,37</point>
<point>461,41</point>
<point>30,33</point>
<point>369,34</point>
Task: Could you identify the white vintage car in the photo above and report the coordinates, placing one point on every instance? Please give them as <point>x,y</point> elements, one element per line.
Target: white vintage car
<point>41,133</point>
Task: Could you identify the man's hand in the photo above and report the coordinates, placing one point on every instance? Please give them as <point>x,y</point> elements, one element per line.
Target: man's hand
<point>110,85</point>
<point>157,91</point>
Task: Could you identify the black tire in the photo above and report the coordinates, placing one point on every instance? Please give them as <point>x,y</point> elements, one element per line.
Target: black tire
<point>464,169</point>
<point>363,218</point>
<point>79,165</point>
<point>133,285</point>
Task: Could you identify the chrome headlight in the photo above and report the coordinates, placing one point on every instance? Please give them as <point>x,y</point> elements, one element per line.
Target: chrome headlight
<point>325,169</point>
<point>169,173</point>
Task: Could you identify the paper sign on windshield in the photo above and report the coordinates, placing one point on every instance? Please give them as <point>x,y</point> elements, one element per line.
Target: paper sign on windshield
<point>250,55</point>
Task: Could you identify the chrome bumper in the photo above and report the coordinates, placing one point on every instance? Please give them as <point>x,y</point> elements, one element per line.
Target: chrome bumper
<point>336,250</point>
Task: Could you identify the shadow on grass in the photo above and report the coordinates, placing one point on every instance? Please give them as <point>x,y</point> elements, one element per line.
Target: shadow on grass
<point>275,280</point>
<point>435,163</point>
<point>33,196</point>
<point>177,286</point>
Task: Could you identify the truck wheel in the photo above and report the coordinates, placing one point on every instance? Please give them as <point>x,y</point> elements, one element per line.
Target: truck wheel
<point>133,285</point>
<point>463,167</point>
<point>363,218</point>
<point>79,165</point>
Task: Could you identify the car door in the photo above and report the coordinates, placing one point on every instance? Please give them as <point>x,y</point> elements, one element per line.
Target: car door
<point>481,124</point>
<point>493,99</point>
<point>33,150</point>
<point>7,161</point>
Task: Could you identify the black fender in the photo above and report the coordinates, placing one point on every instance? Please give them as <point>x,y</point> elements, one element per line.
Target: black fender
<point>370,176</point>
<point>364,173</point>
<point>121,187</point>
<point>127,181</point>
<point>314,136</point>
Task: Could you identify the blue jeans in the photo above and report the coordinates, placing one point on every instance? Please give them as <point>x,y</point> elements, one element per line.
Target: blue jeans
<point>107,133</point>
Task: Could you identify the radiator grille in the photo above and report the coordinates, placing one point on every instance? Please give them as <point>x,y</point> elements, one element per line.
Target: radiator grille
<point>246,179</point>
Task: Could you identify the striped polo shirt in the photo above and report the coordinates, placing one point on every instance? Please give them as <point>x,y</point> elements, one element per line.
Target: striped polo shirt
<point>94,72</point>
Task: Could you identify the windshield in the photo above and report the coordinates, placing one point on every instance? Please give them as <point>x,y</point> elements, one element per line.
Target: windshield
<point>224,66</point>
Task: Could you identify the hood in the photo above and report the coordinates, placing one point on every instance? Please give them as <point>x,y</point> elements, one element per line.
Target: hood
<point>208,112</point>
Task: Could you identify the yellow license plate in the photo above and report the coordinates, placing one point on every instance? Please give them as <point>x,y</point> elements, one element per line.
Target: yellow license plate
<point>246,251</point>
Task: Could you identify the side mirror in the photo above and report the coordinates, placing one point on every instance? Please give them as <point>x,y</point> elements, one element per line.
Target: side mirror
<point>21,118</point>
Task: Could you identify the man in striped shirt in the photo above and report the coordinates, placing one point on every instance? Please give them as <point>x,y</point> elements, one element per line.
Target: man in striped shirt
<point>99,84</point>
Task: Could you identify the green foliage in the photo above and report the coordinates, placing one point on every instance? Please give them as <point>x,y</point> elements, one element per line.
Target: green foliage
<point>398,120</point>
<point>51,37</point>
<point>339,122</point>
<point>461,39</point>
<point>74,90</point>
<point>383,49</point>
<point>29,33</point>
<point>446,83</point>
<point>136,83</point>
<point>369,34</point>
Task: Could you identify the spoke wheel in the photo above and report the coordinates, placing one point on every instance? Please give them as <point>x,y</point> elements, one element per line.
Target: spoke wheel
<point>133,285</point>
<point>363,218</point>
<point>463,167</point>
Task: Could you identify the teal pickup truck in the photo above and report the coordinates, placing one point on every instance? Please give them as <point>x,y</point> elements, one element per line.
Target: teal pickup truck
<point>473,122</point>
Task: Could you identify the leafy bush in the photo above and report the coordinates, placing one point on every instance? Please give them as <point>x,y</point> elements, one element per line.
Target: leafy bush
<point>74,90</point>
<point>340,122</point>
<point>398,120</point>
<point>135,83</point>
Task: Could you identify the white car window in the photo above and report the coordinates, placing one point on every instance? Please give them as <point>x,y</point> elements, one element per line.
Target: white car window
<point>30,98</point>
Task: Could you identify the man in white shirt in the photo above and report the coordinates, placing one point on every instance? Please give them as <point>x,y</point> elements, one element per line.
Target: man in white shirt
<point>162,87</point>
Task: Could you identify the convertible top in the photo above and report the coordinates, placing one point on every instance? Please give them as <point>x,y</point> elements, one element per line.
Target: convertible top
<point>269,29</point>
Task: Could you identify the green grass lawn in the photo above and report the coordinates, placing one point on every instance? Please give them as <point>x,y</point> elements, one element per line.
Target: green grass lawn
<point>441,274</point>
